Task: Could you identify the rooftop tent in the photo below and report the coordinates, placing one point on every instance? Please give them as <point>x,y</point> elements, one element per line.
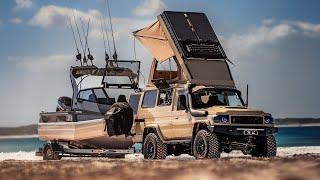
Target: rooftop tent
<point>154,39</point>
<point>189,38</point>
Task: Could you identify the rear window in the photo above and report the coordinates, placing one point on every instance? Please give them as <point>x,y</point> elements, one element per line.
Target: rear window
<point>134,102</point>
<point>149,99</point>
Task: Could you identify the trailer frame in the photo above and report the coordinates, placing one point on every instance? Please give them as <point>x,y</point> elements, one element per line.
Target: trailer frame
<point>55,150</point>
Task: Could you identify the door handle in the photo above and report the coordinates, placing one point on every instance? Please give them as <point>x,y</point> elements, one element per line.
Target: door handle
<point>176,117</point>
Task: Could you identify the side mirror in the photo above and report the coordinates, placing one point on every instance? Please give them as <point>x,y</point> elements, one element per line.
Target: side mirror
<point>198,113</point>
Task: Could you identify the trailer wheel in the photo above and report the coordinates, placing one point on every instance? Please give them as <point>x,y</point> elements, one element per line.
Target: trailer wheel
<point>265,147</point>
<point>49,153</point>
<point>153,147</point>
<point>206,145</point>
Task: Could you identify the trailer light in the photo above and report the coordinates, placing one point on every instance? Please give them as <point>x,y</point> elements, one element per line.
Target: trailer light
<point>268,120</point>
<point>224,119</point>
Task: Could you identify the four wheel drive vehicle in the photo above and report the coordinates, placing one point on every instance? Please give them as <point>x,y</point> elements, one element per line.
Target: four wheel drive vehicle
<point>201,121</point>
<point>195,107</point>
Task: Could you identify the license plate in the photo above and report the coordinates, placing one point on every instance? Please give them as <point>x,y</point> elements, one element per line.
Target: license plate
<point>250,132</point>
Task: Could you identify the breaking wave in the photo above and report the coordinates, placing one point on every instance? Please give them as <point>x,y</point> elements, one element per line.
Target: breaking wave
<point>282,152</point>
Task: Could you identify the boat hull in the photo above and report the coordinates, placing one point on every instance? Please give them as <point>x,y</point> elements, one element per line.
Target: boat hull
<point>92,133</point>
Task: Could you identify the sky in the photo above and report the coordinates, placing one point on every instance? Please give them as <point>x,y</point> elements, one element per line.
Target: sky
<point>273,44</point>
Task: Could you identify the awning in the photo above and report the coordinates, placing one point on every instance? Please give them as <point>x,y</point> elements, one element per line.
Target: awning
<point>153,38</point>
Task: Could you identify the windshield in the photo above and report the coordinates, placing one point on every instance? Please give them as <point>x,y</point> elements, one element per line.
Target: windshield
<point>208,97</point>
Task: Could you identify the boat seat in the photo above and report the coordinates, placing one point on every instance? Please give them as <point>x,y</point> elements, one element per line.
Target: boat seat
<point>122,98</point>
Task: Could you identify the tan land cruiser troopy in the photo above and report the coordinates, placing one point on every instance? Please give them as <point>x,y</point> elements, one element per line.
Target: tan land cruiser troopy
<point>193,106</point>
<point>200,121</point>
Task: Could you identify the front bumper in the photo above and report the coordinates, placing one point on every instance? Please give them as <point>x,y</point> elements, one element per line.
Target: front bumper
<point>244,130</point>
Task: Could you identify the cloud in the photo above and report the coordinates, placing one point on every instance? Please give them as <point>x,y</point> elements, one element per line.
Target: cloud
<point>267,22</point>
<point>274,57</point>
<point>56,16</point>
<point>43,63</point>
<point>150,7</point>
<point>22,4</point>
<point>268,32</point>
<point>15,21</point>
<point>306,27</point>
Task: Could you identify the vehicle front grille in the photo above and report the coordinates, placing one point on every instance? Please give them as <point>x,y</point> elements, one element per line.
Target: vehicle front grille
<point>246,120</point>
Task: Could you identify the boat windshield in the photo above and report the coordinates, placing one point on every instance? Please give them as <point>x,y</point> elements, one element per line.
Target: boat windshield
<point>208,97</point>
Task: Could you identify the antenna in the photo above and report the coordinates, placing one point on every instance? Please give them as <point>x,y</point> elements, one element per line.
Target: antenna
<point>247,101</point>
<point>114,56</point>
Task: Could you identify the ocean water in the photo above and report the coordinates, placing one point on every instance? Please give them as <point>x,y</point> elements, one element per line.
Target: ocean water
<point>286,137</point>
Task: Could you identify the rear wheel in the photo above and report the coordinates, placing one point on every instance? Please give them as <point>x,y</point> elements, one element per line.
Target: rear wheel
<point>153,147</point>
<point>265,147</point>
<point>206,145</point>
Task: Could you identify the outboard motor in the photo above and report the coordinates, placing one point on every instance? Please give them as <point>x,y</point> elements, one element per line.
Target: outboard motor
<point>119,119</point>
<point>64,103</point>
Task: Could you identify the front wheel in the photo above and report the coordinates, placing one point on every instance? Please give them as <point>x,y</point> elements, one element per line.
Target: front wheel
<point>265,147</point>
<point>153,147</point>
<point>206,145</point>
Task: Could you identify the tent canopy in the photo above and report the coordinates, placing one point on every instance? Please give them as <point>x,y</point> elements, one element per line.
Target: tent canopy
<point>154,40</point>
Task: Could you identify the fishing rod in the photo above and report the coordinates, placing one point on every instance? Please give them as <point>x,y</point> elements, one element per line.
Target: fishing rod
<point>89,56</point>
<point>114,56</point>
<point>78,56</point>
<point>78,32</point>
<point>85,45</point>
<point>104,41</point>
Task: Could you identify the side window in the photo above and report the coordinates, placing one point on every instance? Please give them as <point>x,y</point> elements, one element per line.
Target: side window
<point>87,95</point>
<point>149,99</point>
<point>182,103</point>
<point>165,98</point>
<point>134,102</point>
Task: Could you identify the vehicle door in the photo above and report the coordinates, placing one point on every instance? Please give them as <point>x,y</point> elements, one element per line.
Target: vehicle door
<point>154,114</point>
<point>181,120</point>
<point>87,102</point>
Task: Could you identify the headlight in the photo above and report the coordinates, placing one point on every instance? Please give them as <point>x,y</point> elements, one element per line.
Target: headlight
<point>224,119</point>
<point>268,120</point>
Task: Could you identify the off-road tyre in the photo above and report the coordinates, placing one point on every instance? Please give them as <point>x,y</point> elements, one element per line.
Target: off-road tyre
<point>206,145</point>
<point>153,147</point>
<point>265,147</point>
<point>50,152</point>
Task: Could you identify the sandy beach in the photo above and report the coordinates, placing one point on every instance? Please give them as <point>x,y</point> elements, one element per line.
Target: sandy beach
<point>302,166</point>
